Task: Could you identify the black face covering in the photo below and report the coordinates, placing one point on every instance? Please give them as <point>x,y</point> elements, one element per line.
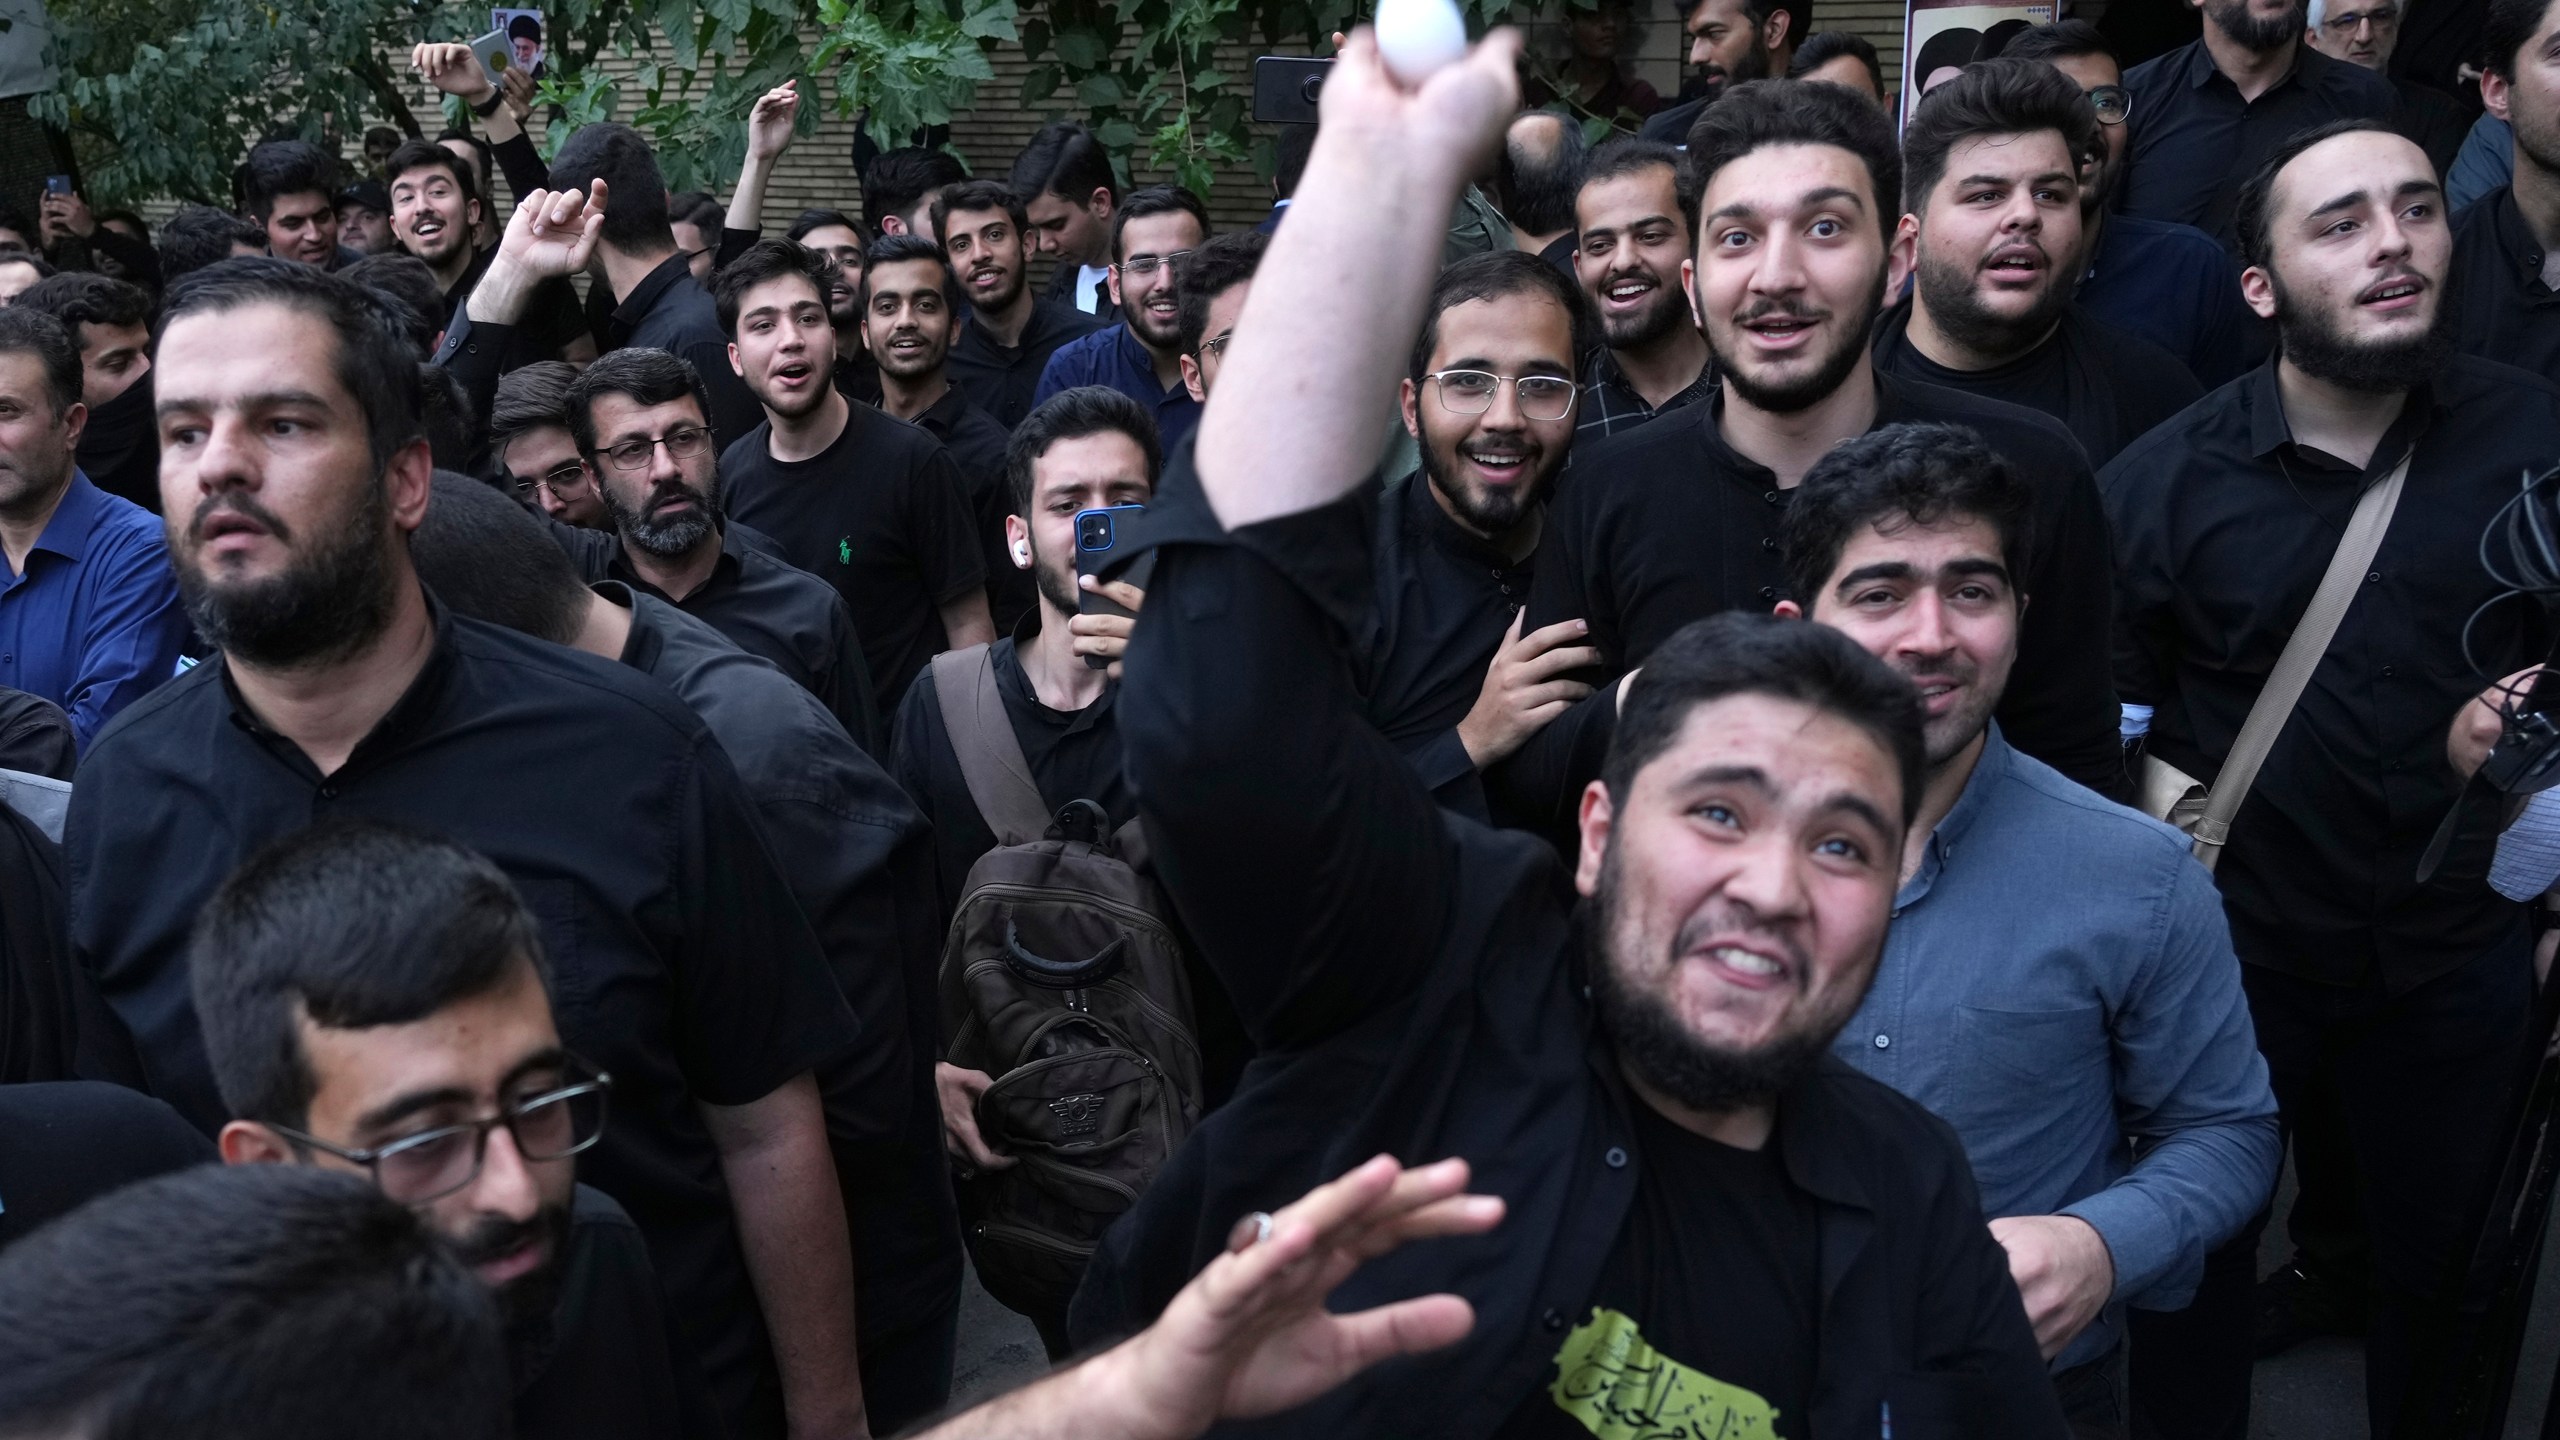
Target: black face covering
<point>120,449</point>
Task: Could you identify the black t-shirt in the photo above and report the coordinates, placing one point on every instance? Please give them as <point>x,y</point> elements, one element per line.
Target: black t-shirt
<point>2108,388</point>
<point>608,1368</point>
<point>64,1143</point>
<point>1703,1319</point>
<point>883,516</point>
<point>977,445</point>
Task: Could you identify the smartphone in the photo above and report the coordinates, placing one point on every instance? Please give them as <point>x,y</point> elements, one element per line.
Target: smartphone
<point>497,56</point>
<point>57,184</point>
<point>1100,535</point>
<point>1285,88</point>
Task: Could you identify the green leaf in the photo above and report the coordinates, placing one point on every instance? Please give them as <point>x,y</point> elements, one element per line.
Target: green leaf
<point>1096,91</point>
<point>1079,49</point>
<point>1039,83</point>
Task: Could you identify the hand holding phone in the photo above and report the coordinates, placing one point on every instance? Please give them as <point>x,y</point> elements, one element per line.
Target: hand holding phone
<point>1106,609</point>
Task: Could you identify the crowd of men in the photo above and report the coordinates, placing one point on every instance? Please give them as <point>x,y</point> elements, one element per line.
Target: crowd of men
<point>552,772</point>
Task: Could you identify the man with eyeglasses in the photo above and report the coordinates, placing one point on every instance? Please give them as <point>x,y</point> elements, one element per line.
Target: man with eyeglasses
<point>2364,33</point>
<point>1212,291</point>
<point>1155,232</point>
<point>2168,283</point>
<point>530,441</point>
<point>376,1001</point>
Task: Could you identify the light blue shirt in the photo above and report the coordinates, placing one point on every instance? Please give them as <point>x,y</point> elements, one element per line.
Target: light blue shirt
<point>2059,985</point>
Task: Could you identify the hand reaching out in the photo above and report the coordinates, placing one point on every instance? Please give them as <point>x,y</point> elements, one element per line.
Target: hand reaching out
<point>769,123</point>
<point>553,232</point>
<point>453,69</point>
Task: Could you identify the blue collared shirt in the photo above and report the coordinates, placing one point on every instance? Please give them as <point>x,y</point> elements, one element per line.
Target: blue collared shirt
<point>1113,357</point>
<point>94,621</point>
<point>2059,985</point>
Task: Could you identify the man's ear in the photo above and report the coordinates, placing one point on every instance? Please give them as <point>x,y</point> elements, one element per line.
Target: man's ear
<point>1113,280</point>
<point>409,483</point>
<point>737,366</point>
<point>1902,256</point>
<point>1409,404</point>
<point>1689,285</point>
<point>1191,380</point>
<point>2258,287</point>
<point>2497,95</point>
<point>1596,819</point>
<point>1787,610</point>
<point>1017,541</point>
<point>1774,30</point>
<point>1101,203</point>
<point>246,1142</point>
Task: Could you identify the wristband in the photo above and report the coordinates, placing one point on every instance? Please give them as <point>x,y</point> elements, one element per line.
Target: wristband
<point>496,99</point>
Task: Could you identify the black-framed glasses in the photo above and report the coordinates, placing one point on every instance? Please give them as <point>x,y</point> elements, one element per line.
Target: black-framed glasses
<point>1216,345</point>
<point>683,442</point>
<point>559,480</point>
<point>1472,392</point>
<point>1143,266</point>
<point>2113,103</point>
<point>427,1166</point>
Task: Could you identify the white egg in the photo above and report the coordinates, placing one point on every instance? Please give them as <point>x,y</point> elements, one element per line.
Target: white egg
<point>1417,37</point>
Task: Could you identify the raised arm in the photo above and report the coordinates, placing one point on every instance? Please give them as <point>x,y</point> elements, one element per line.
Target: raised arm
<point>768,135</point>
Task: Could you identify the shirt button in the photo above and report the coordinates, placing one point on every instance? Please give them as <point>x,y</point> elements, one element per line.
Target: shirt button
<point>1553,1319</point>
<point>328,792</point>
<point>1768,592</point>
<point>1769,544</point>
<point>2375,578</point>
<point>1617,1158</point>
<point>1884,1042</point>
<point>2386,672</point>
<point>1769,495</point>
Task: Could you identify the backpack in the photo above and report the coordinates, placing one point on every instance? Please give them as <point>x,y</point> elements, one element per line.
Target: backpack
<point>1062,978</point>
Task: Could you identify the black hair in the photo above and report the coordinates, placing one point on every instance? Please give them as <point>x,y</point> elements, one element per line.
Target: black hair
<point>1219,266</point>
<point>285,167</point>
<point>1071,414</point>
<point>452,425</point>
<point>808,220</point>
<point>231,1302</point>
<point>15,221</point>
<point>973,196</point>
<point>82,297</point>
<point>200,235</point>
<point>1289,157</point>
<point>415,154</point>
<point>354,924</point>
<point>1743,653</point>
<point>375,364</point>
<point>1536,184</point>
<point>649,376</point>
<point>897,179</point>
<point>479,148</point>
<point>2253,218</point>
<point>1066,160</point>
<point>1927,473</point>
<point>404,281</point>
<point>764,260</point>
<point>699,209</point>
<point>898,249</point>
<point>1958,46</point>
<point>1821,49</point>
<point>530,397</point>
<point>126,217</point>
<point>486,557</point>
<point>2508,29</point>
<point>524,27</point>
<point>635,221</point>
<point>1760,113</point>
<point>1623,155</point>
<point>1491,276</point>
<point>1992,97</point>
<point>1156,200</point>
<point>2060,40</point>
<point>27,330</point>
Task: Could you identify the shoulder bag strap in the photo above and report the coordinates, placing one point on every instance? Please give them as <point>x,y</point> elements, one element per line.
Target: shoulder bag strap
<point>990,754</point>
<point>2292,675</point>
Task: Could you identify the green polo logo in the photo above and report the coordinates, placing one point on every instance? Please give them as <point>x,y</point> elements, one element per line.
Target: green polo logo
<point>844,550</point>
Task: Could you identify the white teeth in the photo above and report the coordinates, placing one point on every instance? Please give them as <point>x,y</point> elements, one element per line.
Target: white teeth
<point>1734,958</point>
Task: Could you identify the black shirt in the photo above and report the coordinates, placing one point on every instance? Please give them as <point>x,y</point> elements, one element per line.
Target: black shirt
<point>774,610</point>
<point>1718,1273</point>
<point>860,862</point>
<point>1074,755</point>
<point>120,447</point>
<point>679,960</point>
<point>64,1143</point>
<point>1002,381</point>
<point>1445,598</point>
<point>2196,142</point>
<point>2508,314</point>
<point>607,1367</point>
<point>2223,527</point>
<point>2434,121</point>
<point>2105,386</point>
<point>1062,288</point>
<point>1410,978</point>
<point>1668,524</point>
<point>977,445</point>
<point>1609,404</point>
<point>553,315</point>
<point>671,311</point>
<point>881,515</point>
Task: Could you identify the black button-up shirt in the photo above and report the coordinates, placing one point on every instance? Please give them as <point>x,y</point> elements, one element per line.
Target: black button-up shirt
<point>2105,386</point>
<point>1002,380</point>
<point>1609,404</point>
<point>669,310</point>
<point>553,315</point>
<point>1668,524</point>
<point>679,961</point>
<point>2196,142</point>
<point>977,445</point>
<point>2223,527</point>
<point>2508,314</point>
<point>1412,981</point>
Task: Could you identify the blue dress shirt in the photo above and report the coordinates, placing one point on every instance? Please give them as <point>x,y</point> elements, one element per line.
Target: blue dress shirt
<point>2058,985</point>
<point>1113,357</point>
<point>2486,162</point>
<point>94,621</point>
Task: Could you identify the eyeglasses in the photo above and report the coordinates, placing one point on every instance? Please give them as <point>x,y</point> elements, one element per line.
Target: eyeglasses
<point>559,480</point>
<point>432,1164</point>
<point>683,443</point>
<point>2385,18</point>
<point>1143,266</point>
<point>2113,103</point>
<point>1472,392</point>
<point>1216,345</point>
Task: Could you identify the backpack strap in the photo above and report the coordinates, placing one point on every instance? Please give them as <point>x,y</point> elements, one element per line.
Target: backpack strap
<point>990,754</point>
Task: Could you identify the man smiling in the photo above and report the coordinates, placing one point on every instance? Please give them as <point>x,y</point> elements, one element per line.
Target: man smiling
<point>1156,232</point>
<point>1631,248</point>
<point>436,208</point>
<point>986,234</point>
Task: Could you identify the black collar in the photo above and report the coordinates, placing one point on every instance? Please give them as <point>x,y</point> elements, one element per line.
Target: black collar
<point>645,295</point>
<point>2270,432</point>
<point>407,716</point>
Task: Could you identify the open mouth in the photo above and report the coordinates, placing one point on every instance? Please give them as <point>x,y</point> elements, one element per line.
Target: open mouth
<point>1938,693</point>
<point>1781,330</point>
<point>2015,263</point>
<point>985,278</point>
<point>793,373</point>
<point>1501,464</point>
<point>521,1261</point>
<point>228,524</point>
<point>1748,967</point>
<point>2397,292</point>
<point>1625,290</point>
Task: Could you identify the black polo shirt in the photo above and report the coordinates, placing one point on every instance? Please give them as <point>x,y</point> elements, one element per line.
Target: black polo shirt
<point>2223,527</point>
<point>1412,980</point>
<point>679,960</point>
<point>977,445</point>
<point>859,860</point>
<point>883,516</point>
<point>669,310</point>
<point>2196,142</point>
<point>2508,314</point>
<point>773,610</point>
<point>2105,386</point>
<point>1668,524</point>
<point>1445,598</point>
<point>1002,380</point>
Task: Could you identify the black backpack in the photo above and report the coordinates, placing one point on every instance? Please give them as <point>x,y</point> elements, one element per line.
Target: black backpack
<point>1061,978</point>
